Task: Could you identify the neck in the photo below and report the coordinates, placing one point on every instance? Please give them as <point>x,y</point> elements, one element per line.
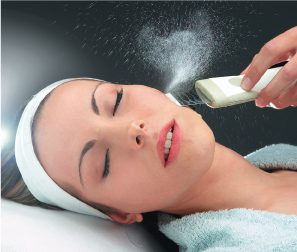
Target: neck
<point>230,182</point>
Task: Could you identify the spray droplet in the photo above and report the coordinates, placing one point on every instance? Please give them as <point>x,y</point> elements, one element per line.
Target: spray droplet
<point>179,54</point>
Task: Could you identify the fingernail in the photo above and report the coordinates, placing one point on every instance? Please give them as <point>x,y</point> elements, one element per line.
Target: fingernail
<point>246,84</point>
<point>260,103</point>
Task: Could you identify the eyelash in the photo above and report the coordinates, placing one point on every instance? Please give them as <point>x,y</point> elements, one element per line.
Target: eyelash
<point>106,166</point>
<point>118,100</point>
<point>107,159</point>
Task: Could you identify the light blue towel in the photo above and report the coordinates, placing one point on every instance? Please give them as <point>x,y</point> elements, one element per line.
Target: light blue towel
<point>275,156</point>
<point>239,229</point>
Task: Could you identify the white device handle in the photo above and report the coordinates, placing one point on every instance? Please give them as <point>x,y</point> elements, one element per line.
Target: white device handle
<point>265,79</point>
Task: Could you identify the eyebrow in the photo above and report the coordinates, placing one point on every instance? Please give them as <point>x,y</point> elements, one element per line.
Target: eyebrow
<point>94,104</point>
<point>88,145</point>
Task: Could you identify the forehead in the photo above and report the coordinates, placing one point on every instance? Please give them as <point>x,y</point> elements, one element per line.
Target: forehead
<point>58,130</point>
<point>69,89</point>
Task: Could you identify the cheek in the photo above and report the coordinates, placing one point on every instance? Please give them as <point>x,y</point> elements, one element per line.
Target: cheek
<point>198,144</point>
<point>205,144</point>
<point>150,98</point>
<point>129,177</point>
<point>199,134</point>
<point>136,184</point>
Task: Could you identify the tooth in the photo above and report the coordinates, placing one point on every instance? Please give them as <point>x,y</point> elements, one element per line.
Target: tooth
<point>167,143</point>
<point>169,135</point>
<point>166,156</point>
<point>166,151</point>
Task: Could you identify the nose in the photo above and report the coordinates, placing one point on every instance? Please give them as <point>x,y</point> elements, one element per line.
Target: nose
<point>136,134</point>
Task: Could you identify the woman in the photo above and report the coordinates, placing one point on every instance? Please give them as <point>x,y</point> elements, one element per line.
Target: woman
<point>105,144</point>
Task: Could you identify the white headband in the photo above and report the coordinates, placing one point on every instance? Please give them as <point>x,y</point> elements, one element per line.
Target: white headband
<point>38,182</point>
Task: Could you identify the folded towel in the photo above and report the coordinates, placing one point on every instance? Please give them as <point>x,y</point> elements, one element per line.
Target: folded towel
<point>232,230</point>
<point>274,157</point>
<point>239,229</point>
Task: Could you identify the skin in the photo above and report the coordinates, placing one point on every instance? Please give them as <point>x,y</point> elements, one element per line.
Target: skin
<point>282,89</point>
<point>205,175</point>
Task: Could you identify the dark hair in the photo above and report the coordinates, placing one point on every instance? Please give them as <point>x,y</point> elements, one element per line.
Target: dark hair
<point>13,186</point>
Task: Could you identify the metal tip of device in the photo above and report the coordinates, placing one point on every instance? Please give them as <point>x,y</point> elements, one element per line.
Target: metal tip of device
<point>186,96</point>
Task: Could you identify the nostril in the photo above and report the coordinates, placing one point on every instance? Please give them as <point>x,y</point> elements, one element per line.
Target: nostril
<point>138,139</point>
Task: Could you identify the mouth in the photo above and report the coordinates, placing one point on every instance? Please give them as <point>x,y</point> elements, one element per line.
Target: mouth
<point>168,144</point>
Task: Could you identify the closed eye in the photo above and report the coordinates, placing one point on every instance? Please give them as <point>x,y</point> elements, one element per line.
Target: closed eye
<point>118,100</point>
<point>106,165</point>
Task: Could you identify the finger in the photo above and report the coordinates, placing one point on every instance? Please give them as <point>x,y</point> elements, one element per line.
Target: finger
<point>283,58</point>
<point>280,47</point>
<point>284,78</point>
<point>287,98</point>
<point>286,57</point>
<point>247,83</point>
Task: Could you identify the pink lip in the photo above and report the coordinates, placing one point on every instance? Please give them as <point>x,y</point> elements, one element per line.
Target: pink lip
<point>175,142</point>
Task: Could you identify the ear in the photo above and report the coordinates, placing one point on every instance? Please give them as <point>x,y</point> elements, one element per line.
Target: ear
<point>126,218</point>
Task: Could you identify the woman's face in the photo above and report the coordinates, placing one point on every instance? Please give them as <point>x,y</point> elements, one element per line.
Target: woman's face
<point>72,139</point>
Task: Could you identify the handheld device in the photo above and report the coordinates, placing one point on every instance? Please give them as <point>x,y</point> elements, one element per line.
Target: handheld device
<point>226,91</point>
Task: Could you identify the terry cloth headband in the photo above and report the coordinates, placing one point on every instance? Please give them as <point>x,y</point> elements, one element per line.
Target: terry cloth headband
<point>37,180</point>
